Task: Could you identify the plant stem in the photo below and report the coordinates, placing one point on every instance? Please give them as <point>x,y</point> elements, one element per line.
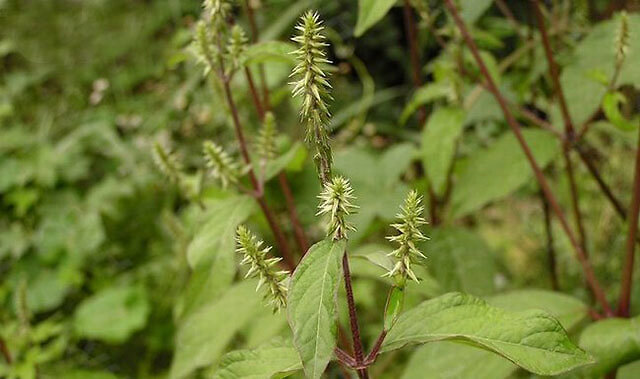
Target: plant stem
<point>515,127</point>
<point>551,252</point>
<point>627,268</point>
<point>568,124</point>
<point>5,351</point>
<point>353,318</point>
<point>254,94</point>
<point>281,241</point>
<point>371,358</point>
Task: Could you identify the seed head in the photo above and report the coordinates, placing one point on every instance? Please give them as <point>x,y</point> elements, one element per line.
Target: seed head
<point>336,202</point>
<point>236,48</point>
<point>266,145</point>
<point>622,39</point>
<point>222,166</point>
<point>217,12</point>
<point>409,235</point>
<point>203,48</point>
<point>167,162</point>
<point>263,267</point>
<point>312,86</point>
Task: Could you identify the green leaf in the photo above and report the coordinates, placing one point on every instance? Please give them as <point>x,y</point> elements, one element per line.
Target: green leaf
<point>471,10</point>
<point>425,95</point>
<point>113,314</point>
<point>610,108</point>
<point>214,240</point>
<point>613,342</point>
<point>499,170</point>
<point>450,359</point>
<point>568,310</point>
<point>393,307</point>
<point>630,371</point>
<point>460,260</point>
<point>533,340</point>
<point>270,51</point>
<point>203,335</point>
<point>370,12</point>
<point>439,145</point>
<point>275,357</point>
<point>297,152</point>
<point>311,305</point>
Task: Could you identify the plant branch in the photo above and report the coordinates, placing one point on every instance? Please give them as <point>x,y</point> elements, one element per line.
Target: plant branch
<point>371,358</point>
<point>551,253</point>
<point>627,273</point>
<point>353,318</point>
<point>5,351</point>
<point>515,127</point>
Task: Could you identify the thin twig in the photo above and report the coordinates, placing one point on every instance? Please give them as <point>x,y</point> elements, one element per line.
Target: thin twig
<point>515,127</point>
<point>371,358</point>
<point>627,268</point>
<point>344,357</point>
<point>551,252</point>
<point>353,319</point>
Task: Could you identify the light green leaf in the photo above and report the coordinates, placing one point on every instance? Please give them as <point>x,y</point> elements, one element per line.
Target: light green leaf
<point>203,335</point>
<point>461,261</point>
<point>370,12</point>
<point>533,340</point>
<point>295,153</point>
<point>610,108</point>
<point>471,10</point>
<point>311,305</point>
<point>269,51</point>
<point>630,371</point>
<point>613,342</point>
<point>112,315</point>
<point>275,357</point>
<point>425,95</point>
<point>214,240</point>
<point>439,145</point>
<point>499,170</point>
<point>393,308</point>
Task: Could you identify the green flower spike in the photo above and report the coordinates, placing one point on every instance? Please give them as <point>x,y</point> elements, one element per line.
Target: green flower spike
<point>409,235</point>
<point>263,267</point>
<point>622,39</point>
<point>203,48</point>
<point>167,162</point>
<point>217,12</point>
<point>266,144</point>
<point>336,202</point>
<point>312,86</point>
<point>222,166</point>
<point>236,48</point>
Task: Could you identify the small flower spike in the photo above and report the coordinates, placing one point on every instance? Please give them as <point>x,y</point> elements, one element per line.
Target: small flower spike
<point>263,267</point>
<point>167,162</point>
<point>409,235</point>
<point>622,39</point>
<point>217,12</point>
<point>236,48</point>
<point>336,202</point>
<point>222,166</point>
<point>312,86</point>
<point>203,48</point>
<point>266,144</point>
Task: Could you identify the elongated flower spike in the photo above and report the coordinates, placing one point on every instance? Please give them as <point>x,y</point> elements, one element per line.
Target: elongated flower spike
<point>263,266</point>
<point>222,166</point>
<point>409,236</point>
<point>336,202</point>
<point>167,162</point>
<point>217,12</point>
<point>236,47</point>
<point>203,48</point>
<point>622,39</point>
<point>266,143</point>
<point>312,85</point>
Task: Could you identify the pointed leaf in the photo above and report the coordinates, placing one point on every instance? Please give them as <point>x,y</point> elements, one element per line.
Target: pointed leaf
<point>275,357</point>
<point>311,305</point>
<point>370,12</point>
<point>533,340</point>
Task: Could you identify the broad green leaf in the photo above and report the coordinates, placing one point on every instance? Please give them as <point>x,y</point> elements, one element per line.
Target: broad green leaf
<point>448,360</point>
<point>460,260</point>
<point>439,145</point>
<point>533,340</point>
<point>271,50</point>
<point>425,95</point>
<point>376,184</point>
<point>311,305</point>
<point>202,337</point>
<point>471,10</point>
<point>112,315</point>
<point>370,12</point>
<point>629,371</point>
<point>275,357</point>
<point>214,240</point>
<point>499,170</point>
<point>568,310</point>
<point>610,108</point>
<point>613,342</point>
<point>595,57</point>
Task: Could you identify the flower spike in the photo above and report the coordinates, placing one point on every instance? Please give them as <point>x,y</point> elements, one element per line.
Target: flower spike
<point>622,39</point>
<point>312,86</point>
<point>222,166</point>
<point>336,202</point>
<point>266,144</point>
<point>236,48</point>
<point>203,48</point>
<point>263,267</point>
<point>167,162</point>
<point>409,236</point>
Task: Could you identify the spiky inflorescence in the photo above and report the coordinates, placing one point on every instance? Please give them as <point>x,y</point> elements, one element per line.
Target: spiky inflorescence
<point>336,202</point>
<point>203,48</point>
<point>312,85</point>
<point>266,144</point>
<point>409,235</point>
<point>622,39</point>
<point>236,47</point>
<point>217,12</point>
<point>167,162</point>
<point>263,266</point>
<point>222,166</point>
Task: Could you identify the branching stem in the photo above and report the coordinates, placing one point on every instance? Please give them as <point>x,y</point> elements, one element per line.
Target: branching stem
<point>353,319</point>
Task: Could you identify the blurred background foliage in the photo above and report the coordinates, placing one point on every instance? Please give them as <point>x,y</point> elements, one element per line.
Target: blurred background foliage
<point>94,279</point>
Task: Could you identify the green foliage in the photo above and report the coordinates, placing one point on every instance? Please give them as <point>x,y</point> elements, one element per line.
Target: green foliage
<point>370,12</point>
<point>275,357</point>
